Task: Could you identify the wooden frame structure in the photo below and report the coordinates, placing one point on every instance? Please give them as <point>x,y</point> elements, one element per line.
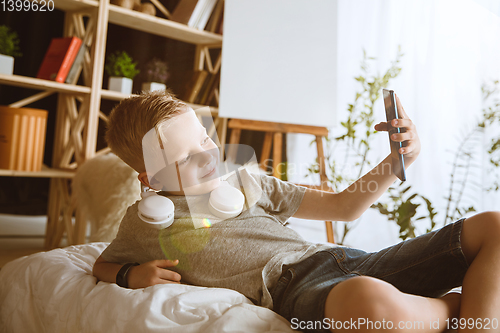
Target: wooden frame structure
<point>274,138</point>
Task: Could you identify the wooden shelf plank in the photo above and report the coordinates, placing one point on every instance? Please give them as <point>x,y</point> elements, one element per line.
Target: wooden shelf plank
<point>113,95</point>
<point>46,85</point>
<point>147,23</point>
<point>46,172</point>
<point>161,27</point>
<point>75,5</point>
<point>117,96</point>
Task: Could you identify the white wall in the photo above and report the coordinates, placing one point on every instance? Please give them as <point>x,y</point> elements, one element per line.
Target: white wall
<point>451,47</point>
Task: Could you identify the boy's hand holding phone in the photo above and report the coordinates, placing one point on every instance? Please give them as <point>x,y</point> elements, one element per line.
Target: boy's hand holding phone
<point>409,137</point>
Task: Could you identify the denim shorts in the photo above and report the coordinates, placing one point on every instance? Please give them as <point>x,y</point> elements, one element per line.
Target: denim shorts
<point>429,265</point>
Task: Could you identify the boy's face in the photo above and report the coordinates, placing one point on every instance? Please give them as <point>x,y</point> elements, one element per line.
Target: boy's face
<point>191,157</point>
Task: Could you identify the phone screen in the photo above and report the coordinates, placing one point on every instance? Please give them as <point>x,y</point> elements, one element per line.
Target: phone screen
<point>391,112</point>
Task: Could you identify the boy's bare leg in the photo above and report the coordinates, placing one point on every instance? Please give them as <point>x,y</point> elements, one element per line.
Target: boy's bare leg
<point>481,285</point>
<point>377,306</point>
<point>373,299</point>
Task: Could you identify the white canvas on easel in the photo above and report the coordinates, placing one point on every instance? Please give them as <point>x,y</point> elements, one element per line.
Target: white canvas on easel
<point>279,61</point>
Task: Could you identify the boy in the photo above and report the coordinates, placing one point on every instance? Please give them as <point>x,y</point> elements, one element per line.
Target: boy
<point>317,287</point>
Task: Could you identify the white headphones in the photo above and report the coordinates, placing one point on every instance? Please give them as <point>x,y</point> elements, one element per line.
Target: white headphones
<point>157,211</point>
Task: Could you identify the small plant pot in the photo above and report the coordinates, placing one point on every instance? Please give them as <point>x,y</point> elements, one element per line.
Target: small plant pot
<point>151,86</point>
<point>6,64</point>
<point>120,84</point>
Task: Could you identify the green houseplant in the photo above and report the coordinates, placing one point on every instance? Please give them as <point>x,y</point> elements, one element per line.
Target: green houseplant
<point>156,75</point>
<point>121,70</point>
<point>401,204</point>
<point>347,156</point>
<point>9,49</point>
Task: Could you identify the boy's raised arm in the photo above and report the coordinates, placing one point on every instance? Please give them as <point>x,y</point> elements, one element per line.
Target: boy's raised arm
<point>141,276</point>
<point>351,203</point>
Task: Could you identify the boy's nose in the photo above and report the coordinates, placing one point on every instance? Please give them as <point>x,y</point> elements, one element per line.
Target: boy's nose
<point>204,158</point>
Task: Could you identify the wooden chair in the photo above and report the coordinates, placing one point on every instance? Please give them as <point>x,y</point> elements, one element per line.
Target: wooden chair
<point>274,132</point>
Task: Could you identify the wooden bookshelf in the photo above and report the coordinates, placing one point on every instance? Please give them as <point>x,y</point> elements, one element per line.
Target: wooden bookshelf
<point>46,85</point>
<point>146,23</point>
<point>161,27</point>
<point>78,109</point>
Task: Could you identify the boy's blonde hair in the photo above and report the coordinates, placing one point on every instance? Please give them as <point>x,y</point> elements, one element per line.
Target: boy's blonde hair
<point>130,120</point>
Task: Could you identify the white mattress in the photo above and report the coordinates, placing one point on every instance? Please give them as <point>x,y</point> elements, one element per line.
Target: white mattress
<point>55,292</point>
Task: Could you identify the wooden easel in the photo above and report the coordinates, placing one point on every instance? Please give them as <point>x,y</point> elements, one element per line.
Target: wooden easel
<point>274,132</point>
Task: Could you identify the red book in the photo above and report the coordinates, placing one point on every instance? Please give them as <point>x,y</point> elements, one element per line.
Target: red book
<point>59,58</point>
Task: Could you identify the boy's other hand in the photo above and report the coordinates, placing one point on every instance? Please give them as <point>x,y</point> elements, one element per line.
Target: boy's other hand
<point>152,273</point>
<point>410,139</point>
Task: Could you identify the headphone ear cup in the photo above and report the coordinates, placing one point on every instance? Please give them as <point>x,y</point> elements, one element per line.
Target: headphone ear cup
<point>226,201</point>
<point>156,210</point>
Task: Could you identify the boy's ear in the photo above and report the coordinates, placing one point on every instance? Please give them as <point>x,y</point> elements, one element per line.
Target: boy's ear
<point>143,178</point>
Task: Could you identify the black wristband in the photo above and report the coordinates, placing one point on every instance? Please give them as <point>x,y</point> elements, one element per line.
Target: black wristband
<point>121,277</point>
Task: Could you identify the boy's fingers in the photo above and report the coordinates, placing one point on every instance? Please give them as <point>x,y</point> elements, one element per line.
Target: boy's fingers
<point>166,263</point>
<point>408,148</point>
<point>170,276</point>
<point>406,123</point>
<point>401,137</point>
<point>381,127</point>
<point>163,281</point>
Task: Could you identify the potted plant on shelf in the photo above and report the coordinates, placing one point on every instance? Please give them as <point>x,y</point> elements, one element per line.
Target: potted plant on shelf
<point>121,70</point>
<point>9,48</point>
<point>156,75</point>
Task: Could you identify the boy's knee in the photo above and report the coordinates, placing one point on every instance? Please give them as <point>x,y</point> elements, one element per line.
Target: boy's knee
<point>365,298</point>
<point>487,223</point>
<point>492,225</point>
<point>480,231</point>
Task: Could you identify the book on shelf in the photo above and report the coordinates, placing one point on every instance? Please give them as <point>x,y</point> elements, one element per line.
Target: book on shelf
<point>216,18</point>
<point>183,11</point>
<point>194,13</point>
<point>200,19</point>
<point>76,67</point>
<point>59,58</point>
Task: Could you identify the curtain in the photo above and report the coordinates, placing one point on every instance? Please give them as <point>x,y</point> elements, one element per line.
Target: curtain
<point>451,48</point>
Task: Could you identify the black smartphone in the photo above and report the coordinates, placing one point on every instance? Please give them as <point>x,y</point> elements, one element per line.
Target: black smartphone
<point>391,112</point>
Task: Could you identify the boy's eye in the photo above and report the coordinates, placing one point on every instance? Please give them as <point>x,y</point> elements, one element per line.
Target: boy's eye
<point>184,160</point>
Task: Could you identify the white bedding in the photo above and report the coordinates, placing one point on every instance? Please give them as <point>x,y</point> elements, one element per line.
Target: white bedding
<point>55,292</point>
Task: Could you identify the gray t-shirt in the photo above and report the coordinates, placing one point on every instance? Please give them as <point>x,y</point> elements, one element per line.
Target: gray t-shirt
<point>245,253</point>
